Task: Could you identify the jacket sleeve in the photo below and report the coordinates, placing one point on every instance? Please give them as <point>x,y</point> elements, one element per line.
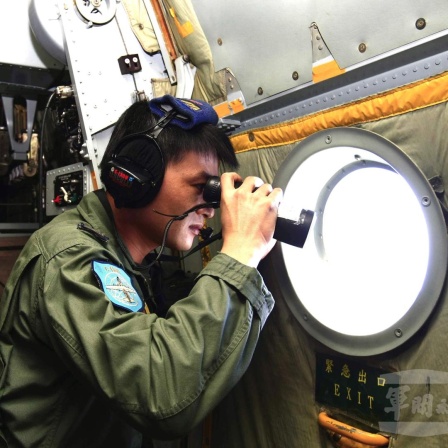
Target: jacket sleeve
<point>163,375</point>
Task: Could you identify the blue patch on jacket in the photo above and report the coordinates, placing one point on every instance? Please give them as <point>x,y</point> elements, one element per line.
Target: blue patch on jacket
<point>117,286</point>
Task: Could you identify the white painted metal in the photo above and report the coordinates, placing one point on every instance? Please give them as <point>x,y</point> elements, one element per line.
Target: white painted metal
<point>185,78</point>
<point>102,91</point>
<point>383,26</point>
<point>46,25</point>
<point>19,46</point>
<point>264,43</point>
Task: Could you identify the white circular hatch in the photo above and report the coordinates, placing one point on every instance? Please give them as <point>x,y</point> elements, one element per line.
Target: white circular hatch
<point>374,263</point>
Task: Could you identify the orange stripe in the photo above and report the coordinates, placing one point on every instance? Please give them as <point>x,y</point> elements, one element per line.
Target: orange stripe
<point>327,70</point>
<point>184,29</point>
<point>164,29</point>
<point>351,432</point>
<point>405,99</point>
<point>229,107</point>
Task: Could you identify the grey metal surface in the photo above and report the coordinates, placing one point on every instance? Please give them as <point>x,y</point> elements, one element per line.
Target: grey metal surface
<point>45,23</point>
<point>19,46</point>
<point>264,43</point>
<point>416,64</point>
<point>382,26</point>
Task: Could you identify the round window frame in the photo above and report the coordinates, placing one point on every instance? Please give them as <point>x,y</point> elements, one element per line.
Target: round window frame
<point>424,304</point>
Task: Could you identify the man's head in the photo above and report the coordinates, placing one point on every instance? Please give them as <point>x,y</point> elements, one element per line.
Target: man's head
<point>175,171</point>
<point>144,143</point>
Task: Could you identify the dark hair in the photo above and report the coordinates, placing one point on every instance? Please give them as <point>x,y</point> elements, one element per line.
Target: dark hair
<point>173,141</point>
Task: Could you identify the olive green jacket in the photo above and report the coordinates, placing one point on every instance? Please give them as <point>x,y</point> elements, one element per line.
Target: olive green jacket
<point>76,369</point>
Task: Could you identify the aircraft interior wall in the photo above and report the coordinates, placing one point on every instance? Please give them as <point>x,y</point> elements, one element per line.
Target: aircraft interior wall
<point>386,82</point>
<point>275,404</point>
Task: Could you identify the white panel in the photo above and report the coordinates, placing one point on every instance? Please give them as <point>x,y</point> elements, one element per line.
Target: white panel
<point>45,22</point>
<point>93,52</point>
<point>102,91</point>
<point>263,43</point>
<point>19,46</point>
<point>382,26</point>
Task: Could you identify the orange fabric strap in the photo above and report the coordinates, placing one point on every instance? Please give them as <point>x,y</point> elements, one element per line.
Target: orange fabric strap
<point>404,99</point>
<point>351,433</point>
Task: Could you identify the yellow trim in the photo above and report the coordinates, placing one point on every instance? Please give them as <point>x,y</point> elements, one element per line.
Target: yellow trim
<point>399,101</point>
<point>229,107</point>
<point>185,29</point>
<point>326,70</point>
<point>358,435</point>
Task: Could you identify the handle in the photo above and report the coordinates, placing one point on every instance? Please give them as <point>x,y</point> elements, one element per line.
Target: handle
<point>350,432</point>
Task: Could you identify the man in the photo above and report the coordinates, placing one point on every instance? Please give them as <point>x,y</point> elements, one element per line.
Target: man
<point>85,360</point>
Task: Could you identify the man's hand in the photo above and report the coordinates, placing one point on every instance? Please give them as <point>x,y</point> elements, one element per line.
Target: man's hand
<point>248,217</point>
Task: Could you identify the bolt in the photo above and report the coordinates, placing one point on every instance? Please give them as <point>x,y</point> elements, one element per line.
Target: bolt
<point>420,23</point>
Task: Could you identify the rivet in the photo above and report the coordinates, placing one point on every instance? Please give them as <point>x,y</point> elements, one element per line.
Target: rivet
<point>362,47</point>
<point>260,91</point>
<point>251,136</point>
<point>219,41</point>
<point>420,23</point>
<point>295,76</point>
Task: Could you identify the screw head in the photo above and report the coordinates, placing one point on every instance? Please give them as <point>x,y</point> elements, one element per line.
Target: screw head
<point>362,47</point>
<point>420,23</point>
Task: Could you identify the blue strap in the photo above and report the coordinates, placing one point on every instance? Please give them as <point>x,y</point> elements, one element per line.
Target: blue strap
<point>189,113</point>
